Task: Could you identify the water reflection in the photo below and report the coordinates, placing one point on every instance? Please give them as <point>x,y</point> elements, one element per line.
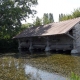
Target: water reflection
<point>48,53</point>
<point>75,54</point>
<point>32,53</point>
<point>37,74</point>
<point>59,62</point>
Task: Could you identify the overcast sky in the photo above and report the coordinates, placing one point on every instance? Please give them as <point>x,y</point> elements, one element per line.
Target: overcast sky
<point>56,7</point>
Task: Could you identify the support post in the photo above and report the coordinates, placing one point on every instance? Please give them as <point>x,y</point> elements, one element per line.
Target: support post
<point>70,35</point>
<point>19,47</point>
<point>74,50</point>
<point>31,47</point>
<point>47,45</point>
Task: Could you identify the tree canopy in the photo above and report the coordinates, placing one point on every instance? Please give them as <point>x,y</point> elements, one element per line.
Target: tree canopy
<point>48,18</point>
<point>37,22</point>
<point>74,14</point>
<point>12,12</point>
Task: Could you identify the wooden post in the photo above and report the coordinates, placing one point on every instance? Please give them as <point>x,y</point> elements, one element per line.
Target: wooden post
<point>47,45</point>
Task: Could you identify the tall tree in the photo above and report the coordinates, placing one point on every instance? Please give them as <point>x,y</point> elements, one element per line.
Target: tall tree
<point>24,26</point>
<point>60,17</point>
<point>11,14</point>
<point>51,19</point>
<point>47,18</point>
<point>37,22</point>
<point>74,14</point>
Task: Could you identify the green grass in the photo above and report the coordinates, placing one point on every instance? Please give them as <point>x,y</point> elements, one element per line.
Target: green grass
<point>74,77</point>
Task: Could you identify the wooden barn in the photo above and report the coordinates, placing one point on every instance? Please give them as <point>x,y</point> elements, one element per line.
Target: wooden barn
<point>64,35</point>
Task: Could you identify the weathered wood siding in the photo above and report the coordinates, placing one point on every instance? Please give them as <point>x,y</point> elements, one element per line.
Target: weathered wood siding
<point>59,42</point>
<point>38,42</point>
<point>62,42</point>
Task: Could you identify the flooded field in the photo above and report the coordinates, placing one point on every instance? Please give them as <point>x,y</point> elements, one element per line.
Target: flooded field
<point>38,66</point>
<point>56,63</point>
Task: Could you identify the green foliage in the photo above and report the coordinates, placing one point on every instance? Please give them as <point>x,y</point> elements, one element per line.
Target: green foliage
<point>74,77</point>
<point>51,19</point>
<point>74,14</point>
<point>24,26</point>
<point>12,12</point>
<point>47,18</point>
<point>8,45</point>
<point>64,17</point>
<point>37,22</point>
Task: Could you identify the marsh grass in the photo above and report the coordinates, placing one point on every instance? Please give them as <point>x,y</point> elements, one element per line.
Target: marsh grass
<point>11,69</point>
<point>74,77</point>
<point>61,64</point>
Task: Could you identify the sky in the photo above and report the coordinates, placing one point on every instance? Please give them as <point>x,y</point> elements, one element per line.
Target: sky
<point>56,7</point>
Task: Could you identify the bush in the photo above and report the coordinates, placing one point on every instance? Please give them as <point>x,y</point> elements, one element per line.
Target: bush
<point>8,45</point>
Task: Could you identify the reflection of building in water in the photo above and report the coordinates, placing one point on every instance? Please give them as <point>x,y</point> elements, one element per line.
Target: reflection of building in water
<point>64,35</point>
<point>48,53</point>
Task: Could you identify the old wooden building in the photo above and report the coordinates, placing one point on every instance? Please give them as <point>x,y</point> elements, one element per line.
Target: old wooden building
<point>64,35</point>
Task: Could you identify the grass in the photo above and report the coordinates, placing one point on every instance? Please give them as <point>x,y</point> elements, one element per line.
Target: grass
<point>11,69</point>
<point>74,77</point>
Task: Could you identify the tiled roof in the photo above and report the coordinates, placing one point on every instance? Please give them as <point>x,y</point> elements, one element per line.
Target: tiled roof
<point>49,29</point>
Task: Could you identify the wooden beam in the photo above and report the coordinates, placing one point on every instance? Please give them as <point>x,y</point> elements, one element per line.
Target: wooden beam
<point>70,36</point>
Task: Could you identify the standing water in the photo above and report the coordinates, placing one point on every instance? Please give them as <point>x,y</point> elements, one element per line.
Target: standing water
<point>37,74</point>
<point>46,67</point>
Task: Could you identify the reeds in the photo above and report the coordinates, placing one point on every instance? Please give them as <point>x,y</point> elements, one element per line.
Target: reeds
<point>74,76</point>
